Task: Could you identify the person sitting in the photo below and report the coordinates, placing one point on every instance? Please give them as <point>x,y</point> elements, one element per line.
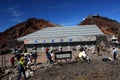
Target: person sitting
<point>83,56</point>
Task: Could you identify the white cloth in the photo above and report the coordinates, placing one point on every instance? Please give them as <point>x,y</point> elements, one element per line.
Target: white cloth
<point>114,50</point>
<point>82,54</point>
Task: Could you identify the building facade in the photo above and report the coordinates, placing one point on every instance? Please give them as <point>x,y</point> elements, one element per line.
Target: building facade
<point>62,37</point>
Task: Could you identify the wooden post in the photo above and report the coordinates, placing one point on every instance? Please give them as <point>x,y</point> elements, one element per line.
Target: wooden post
<point>2,62</point>
<point>66,60</point>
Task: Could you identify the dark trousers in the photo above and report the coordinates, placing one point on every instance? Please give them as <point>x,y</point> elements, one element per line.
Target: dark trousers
<point>114,56</point>
<point>20,74</point>
<point>35,63</point>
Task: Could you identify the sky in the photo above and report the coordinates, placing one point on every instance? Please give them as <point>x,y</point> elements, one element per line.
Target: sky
<point>62,12</point>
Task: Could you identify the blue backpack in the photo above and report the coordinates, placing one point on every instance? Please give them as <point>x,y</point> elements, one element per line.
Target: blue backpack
<point>116,52</point>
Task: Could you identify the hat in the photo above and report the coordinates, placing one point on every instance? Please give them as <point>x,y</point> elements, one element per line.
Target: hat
<point>113,47</point>
<point>47,49</point>
<point>50,51</point>
<point>22,59</point>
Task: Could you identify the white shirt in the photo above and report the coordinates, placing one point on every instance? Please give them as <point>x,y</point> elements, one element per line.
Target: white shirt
<point>82,54</point>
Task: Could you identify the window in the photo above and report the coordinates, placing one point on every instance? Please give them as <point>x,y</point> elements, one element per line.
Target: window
<point>53,40</point>
<point>44,41</point>
<point>61,40</point>
<point>35,41</point>
<point>71,39</point>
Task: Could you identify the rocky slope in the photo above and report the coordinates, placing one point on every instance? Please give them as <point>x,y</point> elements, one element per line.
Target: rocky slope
<point>108,26</point>
<point>22,29</point>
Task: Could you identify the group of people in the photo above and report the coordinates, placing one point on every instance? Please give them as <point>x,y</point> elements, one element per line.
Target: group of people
<point>83,56</point>
<point>24,62</point>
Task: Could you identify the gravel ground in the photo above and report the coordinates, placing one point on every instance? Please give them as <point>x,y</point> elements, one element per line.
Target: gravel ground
<point>95,70</point>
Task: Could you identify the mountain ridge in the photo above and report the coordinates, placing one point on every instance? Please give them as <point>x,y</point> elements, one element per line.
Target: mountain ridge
<point>107,26</point>
<point>22,29</point>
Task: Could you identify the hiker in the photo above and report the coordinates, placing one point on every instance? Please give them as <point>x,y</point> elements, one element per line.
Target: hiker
<point>35,56</point>
<point>52,55</point>
<point>98,50</point>
<point>61,49</point>
<point>82,54</point>
<point>29,63</point>
<point>47,50</point>
<point>21,68</point>
<point>93,49</point>
<point>48,55</point>
<point>17,55</point>
<point>12,61</point>
<point>115,53</point>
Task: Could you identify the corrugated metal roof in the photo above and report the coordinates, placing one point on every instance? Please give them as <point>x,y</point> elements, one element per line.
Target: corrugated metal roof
<point>61,32</point>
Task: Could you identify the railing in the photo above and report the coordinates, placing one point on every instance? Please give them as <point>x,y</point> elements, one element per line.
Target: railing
<point>3,61</point>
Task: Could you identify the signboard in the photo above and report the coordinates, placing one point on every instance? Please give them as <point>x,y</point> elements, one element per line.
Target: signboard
<point>63,55</point>
<point>26,41</point>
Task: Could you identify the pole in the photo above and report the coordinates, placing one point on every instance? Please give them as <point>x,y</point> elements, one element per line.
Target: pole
<point>2,61</point>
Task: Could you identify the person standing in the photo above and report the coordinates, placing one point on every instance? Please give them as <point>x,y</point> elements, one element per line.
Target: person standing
<point>49,58</point>
<point>12,60</point>
<point>61,49</point>
<point>52,54</point>
<point>93,49</point>
<point>21,68</point>
<point>35,57</point>
<point>115,52</point>
<point>47,50</point>
<point>98,50</point>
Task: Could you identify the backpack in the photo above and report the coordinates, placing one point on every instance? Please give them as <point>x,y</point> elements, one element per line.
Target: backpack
<point>115,52</point>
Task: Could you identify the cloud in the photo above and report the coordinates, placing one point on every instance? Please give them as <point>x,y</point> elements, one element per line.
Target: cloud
<point>16,20</point>
<point>72,22</point>
<point>57,6</point>
<point>14,12</point>
<point>11,8</point>
<point>60,6</point>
